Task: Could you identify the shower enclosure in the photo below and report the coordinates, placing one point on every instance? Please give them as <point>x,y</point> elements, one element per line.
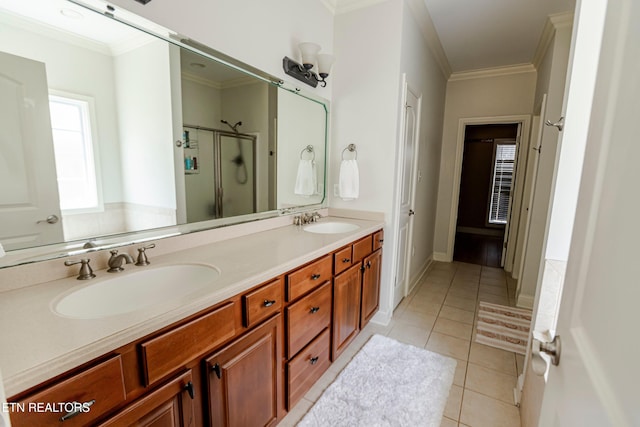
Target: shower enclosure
<point>225,184</point>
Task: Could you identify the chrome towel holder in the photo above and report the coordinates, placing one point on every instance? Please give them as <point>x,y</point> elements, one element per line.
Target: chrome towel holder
<point>308,149</point>
<point>351,148</point>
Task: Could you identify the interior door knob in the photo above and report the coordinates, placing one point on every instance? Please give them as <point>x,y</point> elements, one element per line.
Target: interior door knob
<point>51,219</point>
<point>411,212</point>
<point>553,349</point>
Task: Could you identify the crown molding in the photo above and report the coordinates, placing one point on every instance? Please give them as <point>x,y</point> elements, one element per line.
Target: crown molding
<point>492,72</point>
<point>337,7</point>
<point>552,24</point>
<point>420,12</point>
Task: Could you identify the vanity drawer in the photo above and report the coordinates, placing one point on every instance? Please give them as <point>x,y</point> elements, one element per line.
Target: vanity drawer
<point>362,248</point>
<point>308,317</point>
<point>342,260</point>
<point>305,279</point>
<point>262,303</point>
<point>103,384</point>
<point>378,238</point>
<point>162,355</point>
<point>305,369</point>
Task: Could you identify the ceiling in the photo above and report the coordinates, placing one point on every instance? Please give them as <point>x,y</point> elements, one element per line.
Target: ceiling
<point>481,34</point>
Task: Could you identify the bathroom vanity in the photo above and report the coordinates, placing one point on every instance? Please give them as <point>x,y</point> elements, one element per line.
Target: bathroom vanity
<point>285,304</point>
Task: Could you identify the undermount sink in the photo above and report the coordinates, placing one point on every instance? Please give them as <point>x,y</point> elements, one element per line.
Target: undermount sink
<point>330,227</point>
<point>136,290</point>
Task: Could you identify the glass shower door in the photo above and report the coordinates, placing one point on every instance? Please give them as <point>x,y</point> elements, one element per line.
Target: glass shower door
<point>236,189</point>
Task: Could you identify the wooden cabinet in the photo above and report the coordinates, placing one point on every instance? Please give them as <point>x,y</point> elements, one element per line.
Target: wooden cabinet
<point>244,379</point>
<point>242,362</point>
<point>78,400</point>
<point>346,309</point>
<point>171,405</point>
<point>309,365</point>
<point>370,287</point>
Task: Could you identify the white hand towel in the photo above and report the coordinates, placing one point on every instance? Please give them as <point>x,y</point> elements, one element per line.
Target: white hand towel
<point>306,180</point>
<point>349,184</point>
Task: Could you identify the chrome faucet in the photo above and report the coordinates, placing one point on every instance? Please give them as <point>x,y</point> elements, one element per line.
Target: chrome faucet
<point>115,262</point>
<point>306,218</point>
<point>86,272</point>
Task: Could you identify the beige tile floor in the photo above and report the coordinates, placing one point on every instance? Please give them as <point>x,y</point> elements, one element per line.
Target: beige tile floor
<point>440,315</point>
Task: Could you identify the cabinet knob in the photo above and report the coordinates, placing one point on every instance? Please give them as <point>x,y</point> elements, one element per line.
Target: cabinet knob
<point>314,309</point>
<point>269,303</point>
<point>314,360</point>
<point>216,368</point>
<point>189,388</point>
<point>79,408</point>
<point>368,264</point>
<point>315,276</point>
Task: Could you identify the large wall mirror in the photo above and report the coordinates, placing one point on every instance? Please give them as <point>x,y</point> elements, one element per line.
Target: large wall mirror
<point>107,130</point>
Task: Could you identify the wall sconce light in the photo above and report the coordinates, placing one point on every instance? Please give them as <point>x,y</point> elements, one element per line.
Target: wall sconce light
<point>310,56</point>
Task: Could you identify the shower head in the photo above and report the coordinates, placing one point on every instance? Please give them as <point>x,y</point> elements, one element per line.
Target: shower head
<point>234,127</point>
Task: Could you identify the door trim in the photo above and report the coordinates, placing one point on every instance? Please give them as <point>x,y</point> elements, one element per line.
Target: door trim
<point>525,122</point>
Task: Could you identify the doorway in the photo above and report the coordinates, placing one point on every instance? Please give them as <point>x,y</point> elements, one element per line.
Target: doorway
<point>486,186</point>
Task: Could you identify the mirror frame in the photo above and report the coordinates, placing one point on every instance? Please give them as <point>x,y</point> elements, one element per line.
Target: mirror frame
<point>78,247</point>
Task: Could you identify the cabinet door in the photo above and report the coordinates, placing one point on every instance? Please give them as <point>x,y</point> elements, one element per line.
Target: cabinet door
<point>370,286</point>
<point>346,309</point>
<point>168,406</point>
<point>244,379</point>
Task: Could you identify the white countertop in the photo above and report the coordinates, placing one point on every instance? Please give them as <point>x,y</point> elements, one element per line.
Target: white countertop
<point>38,344</point>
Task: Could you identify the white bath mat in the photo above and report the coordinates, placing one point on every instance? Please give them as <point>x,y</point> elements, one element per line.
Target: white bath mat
<point>387,383</point>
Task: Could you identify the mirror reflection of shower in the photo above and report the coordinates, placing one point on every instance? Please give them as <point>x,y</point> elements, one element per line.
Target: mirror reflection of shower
<point>241,167</point>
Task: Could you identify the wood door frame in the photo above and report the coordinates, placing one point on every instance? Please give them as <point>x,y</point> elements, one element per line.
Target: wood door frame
<point>525,121</point>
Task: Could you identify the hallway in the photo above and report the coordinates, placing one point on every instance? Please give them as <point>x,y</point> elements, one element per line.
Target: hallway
<point>440,315</point>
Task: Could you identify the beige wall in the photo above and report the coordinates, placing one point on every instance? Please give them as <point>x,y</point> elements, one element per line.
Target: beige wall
<point>503,95</point>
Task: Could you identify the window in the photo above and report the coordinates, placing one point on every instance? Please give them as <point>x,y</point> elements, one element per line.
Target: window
<point>74,153</point>
<point>501,183</point>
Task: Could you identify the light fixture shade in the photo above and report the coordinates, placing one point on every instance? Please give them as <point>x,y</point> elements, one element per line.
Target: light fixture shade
<point>325,61</point>
<point>309,52</point>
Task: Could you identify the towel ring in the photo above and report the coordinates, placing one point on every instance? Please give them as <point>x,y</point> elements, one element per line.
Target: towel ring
<point>308,149</point>
<point>352,149</point>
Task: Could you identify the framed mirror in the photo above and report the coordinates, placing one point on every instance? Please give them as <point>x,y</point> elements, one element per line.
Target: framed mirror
<point>110,132</point>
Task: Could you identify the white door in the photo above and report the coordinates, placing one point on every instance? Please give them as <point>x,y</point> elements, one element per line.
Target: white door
<point>596,382</point>
<point>529,191</point>
<point>29,205</point>
<point>409,153</point>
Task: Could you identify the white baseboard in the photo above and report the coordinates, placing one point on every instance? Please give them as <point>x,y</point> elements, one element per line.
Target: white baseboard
<point>440,257</point>
<point>525,301</point>
<point>382,318</point>
<point>413,282</point>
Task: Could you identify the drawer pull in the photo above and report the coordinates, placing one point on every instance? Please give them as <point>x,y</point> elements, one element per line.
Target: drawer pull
<point>381,240</point>
<point>269,303</point>
<point>79,409</point>
<point>346,260</point>
<point>314,360</point>
<point>315,276</point>
<point>216,368</point>
<point>189,388</point>
<point>314,310</point>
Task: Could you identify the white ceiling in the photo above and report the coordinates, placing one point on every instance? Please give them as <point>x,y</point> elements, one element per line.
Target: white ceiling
<point>479,34</point>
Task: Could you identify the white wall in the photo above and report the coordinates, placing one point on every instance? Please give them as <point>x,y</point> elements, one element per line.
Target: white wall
<point>365,112</point>
<point>259,33</point>
<point>500,95</point>
<point>425,77</point>
<point>146,138</point>
<point>552,83</point>
<point>306,126</point>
